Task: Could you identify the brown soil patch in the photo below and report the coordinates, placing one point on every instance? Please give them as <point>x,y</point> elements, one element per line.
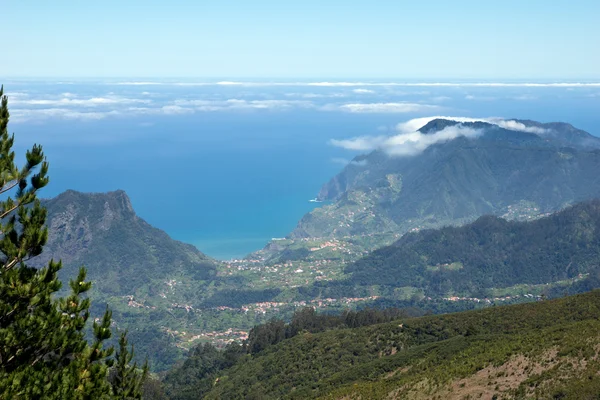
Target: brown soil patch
<point>485,383</point>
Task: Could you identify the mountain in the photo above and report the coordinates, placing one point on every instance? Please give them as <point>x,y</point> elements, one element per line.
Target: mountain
<point>527,170</point>
<point>148,280</point>
<point>546,349</point>
<point>122,253</point>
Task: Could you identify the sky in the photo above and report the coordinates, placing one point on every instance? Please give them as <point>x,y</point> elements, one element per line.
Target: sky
<point>274,39</point>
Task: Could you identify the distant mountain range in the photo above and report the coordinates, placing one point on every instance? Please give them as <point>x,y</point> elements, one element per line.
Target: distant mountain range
<point>509,172</point>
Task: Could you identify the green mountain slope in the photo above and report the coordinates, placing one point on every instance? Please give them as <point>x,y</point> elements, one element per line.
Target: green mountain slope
<point>489,253</point>
<point>149,280</point>
<point>546,349</point>
<point>499,172</point>
<point>123,253</point>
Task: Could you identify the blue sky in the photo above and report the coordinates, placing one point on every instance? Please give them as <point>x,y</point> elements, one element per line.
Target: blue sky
<point>532,39</point>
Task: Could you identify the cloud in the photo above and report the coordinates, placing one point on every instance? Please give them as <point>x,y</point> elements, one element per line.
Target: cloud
<point>480,98</point>
<point>416,123</point>
<point>13,96</point>
<point>364,84</point>
<point>344,162</point>
<point>363,91</point>
<point>21,115</point>
<point>339,160</point>
<point>68,100</point>
<point>68,106</point>
<point>134,83</point>
<point>175,110</point>
<point>525,97</point>
<point>382,107</point>
<point>316,95</point>
<point>517,126</point>
<point>360,163</point>
<point>237,104</point>
<point>405,144</point>
<point>361,143</point>
<point>410,141</point>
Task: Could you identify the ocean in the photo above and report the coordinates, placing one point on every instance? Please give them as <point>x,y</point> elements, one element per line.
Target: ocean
<point>226,166</point>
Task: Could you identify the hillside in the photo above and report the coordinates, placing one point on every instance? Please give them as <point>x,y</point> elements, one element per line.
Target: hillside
<point>516,173</point>
<point>489,261</point>
<point>174,300</point>
<point>144,276</point>
<point>122,253</point>
<point>546,349</point>
<point>167,294</point>
<point>489,253</point>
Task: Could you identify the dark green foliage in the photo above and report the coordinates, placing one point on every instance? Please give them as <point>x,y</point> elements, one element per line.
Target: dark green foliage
<point>490,252</point>
<point>153,389</point>
<point>126,381</point>
<point>43,352</point>
<point>198,374</point>
<point>308,320</point>
<point>152,343</point>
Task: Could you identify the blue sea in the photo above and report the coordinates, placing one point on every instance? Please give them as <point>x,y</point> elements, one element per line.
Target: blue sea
<point>228,165</point>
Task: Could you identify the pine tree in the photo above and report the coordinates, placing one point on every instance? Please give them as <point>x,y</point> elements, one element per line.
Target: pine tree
<point>43,350</point>
<point>127,381</point>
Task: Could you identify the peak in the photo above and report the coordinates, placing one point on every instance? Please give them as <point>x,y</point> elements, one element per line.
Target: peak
<point>439,124</point>
<point>116,194</point>
<point>118,199</point>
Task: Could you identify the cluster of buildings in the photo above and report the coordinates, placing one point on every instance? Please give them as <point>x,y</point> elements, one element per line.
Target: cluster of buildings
<point>135,304</point>
<point>318,303</point>
<point>492,299</point>
<point>216,338</point>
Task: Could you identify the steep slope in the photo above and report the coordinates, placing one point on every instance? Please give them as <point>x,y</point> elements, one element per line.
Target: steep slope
<point>548,349</point>
<point>498,172</point>
<point>121,252</point>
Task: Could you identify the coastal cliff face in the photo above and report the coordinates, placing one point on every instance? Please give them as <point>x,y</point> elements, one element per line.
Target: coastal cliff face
<point>120,250</point>
<point>502,172</point>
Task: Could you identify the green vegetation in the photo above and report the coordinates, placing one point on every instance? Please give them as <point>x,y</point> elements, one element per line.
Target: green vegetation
<point>44,353</point>
<point>170,310</point>
<point>126,381</point>
<point>489,253</point>
<point>536,350</point>
<point>195,377</point>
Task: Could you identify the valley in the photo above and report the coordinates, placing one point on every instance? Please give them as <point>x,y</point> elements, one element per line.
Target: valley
<point>362,249</point>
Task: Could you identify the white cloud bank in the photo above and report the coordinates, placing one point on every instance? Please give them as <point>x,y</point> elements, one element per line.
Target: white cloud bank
<point>68,101</point>
<point>417,123</point>
<point>405,144</point>
<point>399,107</point>
<point>366,84</point>
<point>410,141</point>
<point>363,91</point>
